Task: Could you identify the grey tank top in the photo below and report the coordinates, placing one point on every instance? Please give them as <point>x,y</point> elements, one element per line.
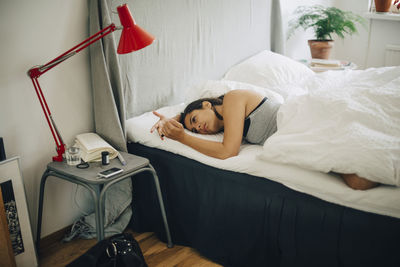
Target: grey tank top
<point>261,122</point>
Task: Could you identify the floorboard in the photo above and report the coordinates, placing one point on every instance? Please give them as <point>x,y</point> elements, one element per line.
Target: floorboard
<point>156,253</point>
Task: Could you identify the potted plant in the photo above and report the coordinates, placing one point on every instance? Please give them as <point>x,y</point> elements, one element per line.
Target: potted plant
<point>382,6</point>
<point>325,21</point>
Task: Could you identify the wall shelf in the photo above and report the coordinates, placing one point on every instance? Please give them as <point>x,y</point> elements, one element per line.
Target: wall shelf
<point>382,16</point>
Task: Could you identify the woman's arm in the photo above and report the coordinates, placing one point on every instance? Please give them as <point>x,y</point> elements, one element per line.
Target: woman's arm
<point>174,130</point>
<point>234,110</point>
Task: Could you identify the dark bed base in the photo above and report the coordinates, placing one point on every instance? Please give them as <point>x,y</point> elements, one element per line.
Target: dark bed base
<point>241,220</point>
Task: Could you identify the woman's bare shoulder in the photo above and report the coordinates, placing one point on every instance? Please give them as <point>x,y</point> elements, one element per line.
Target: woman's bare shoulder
<point>247,98</point>
<point>235,97</point>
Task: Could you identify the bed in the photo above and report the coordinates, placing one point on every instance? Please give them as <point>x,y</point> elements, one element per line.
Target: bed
<point>261,208</point>
<point>243,220</point>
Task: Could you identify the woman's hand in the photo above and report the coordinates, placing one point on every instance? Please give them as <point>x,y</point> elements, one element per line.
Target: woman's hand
<point>168,127</point>
<point>174,130</point>
<point>159,125</point>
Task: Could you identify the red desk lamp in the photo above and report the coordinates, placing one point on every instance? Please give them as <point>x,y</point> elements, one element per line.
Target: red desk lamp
<point>132,38</point>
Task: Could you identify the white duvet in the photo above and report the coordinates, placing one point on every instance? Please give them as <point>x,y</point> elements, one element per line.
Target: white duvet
<point>312,138</point>
<point>349,122</point>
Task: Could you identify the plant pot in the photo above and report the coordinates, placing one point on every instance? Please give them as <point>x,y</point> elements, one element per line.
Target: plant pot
<point>383,5</point>
<point>320,48</point>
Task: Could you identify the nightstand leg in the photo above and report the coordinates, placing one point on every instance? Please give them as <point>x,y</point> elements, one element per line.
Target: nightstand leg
<point>99,214</point>
<point>160,200</point>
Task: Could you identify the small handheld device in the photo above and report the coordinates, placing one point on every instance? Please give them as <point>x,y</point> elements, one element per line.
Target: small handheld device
<point>110,172</point>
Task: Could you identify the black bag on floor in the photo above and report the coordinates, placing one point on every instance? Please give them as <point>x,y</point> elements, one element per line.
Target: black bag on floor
<point>120,250</point>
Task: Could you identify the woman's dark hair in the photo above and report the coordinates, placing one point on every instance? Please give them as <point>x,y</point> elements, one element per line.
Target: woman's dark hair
<point>198,104</point>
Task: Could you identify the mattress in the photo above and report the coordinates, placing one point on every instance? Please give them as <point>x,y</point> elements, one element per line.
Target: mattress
<point>381,200</point>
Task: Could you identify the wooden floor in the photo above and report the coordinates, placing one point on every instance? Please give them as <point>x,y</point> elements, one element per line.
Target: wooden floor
<point>156,253</point>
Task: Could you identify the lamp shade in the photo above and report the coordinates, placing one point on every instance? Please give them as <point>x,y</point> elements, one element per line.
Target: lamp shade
<point>133,37</point>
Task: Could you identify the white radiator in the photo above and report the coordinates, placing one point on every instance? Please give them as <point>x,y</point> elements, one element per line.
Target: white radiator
<point>392,55</point>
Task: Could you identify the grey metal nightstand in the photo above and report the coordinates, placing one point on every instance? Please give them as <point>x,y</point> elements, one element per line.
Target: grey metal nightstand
<point>97,187</point>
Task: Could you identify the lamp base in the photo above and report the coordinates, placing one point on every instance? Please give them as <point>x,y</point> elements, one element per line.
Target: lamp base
<point>60,152</point>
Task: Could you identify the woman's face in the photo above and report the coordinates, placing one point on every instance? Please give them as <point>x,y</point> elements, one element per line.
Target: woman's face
<point>203,121</point>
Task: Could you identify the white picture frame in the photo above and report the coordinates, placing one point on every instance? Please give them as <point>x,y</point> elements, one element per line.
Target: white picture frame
<point>10,172</point>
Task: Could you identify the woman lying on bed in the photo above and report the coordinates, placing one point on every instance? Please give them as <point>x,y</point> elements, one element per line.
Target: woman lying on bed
<point>240,114</point>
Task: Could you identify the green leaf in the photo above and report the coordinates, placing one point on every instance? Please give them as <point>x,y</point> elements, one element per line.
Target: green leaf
<point>325,21</point>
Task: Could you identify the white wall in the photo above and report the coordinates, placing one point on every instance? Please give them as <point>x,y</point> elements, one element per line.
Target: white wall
<point>33,33</point>
<point>354,48</point>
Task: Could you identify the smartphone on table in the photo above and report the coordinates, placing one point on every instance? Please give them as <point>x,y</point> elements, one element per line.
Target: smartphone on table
<point>109,173</point>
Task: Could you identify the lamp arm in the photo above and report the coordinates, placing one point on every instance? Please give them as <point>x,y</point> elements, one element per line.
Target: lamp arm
<point>39,70</point>
<point>60,146</point>
<point>44,68</point>
<point>35,72</point>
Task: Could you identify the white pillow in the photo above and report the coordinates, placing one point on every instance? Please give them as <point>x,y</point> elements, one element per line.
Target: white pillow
<point>214,88</point>
<point>273,71</point>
